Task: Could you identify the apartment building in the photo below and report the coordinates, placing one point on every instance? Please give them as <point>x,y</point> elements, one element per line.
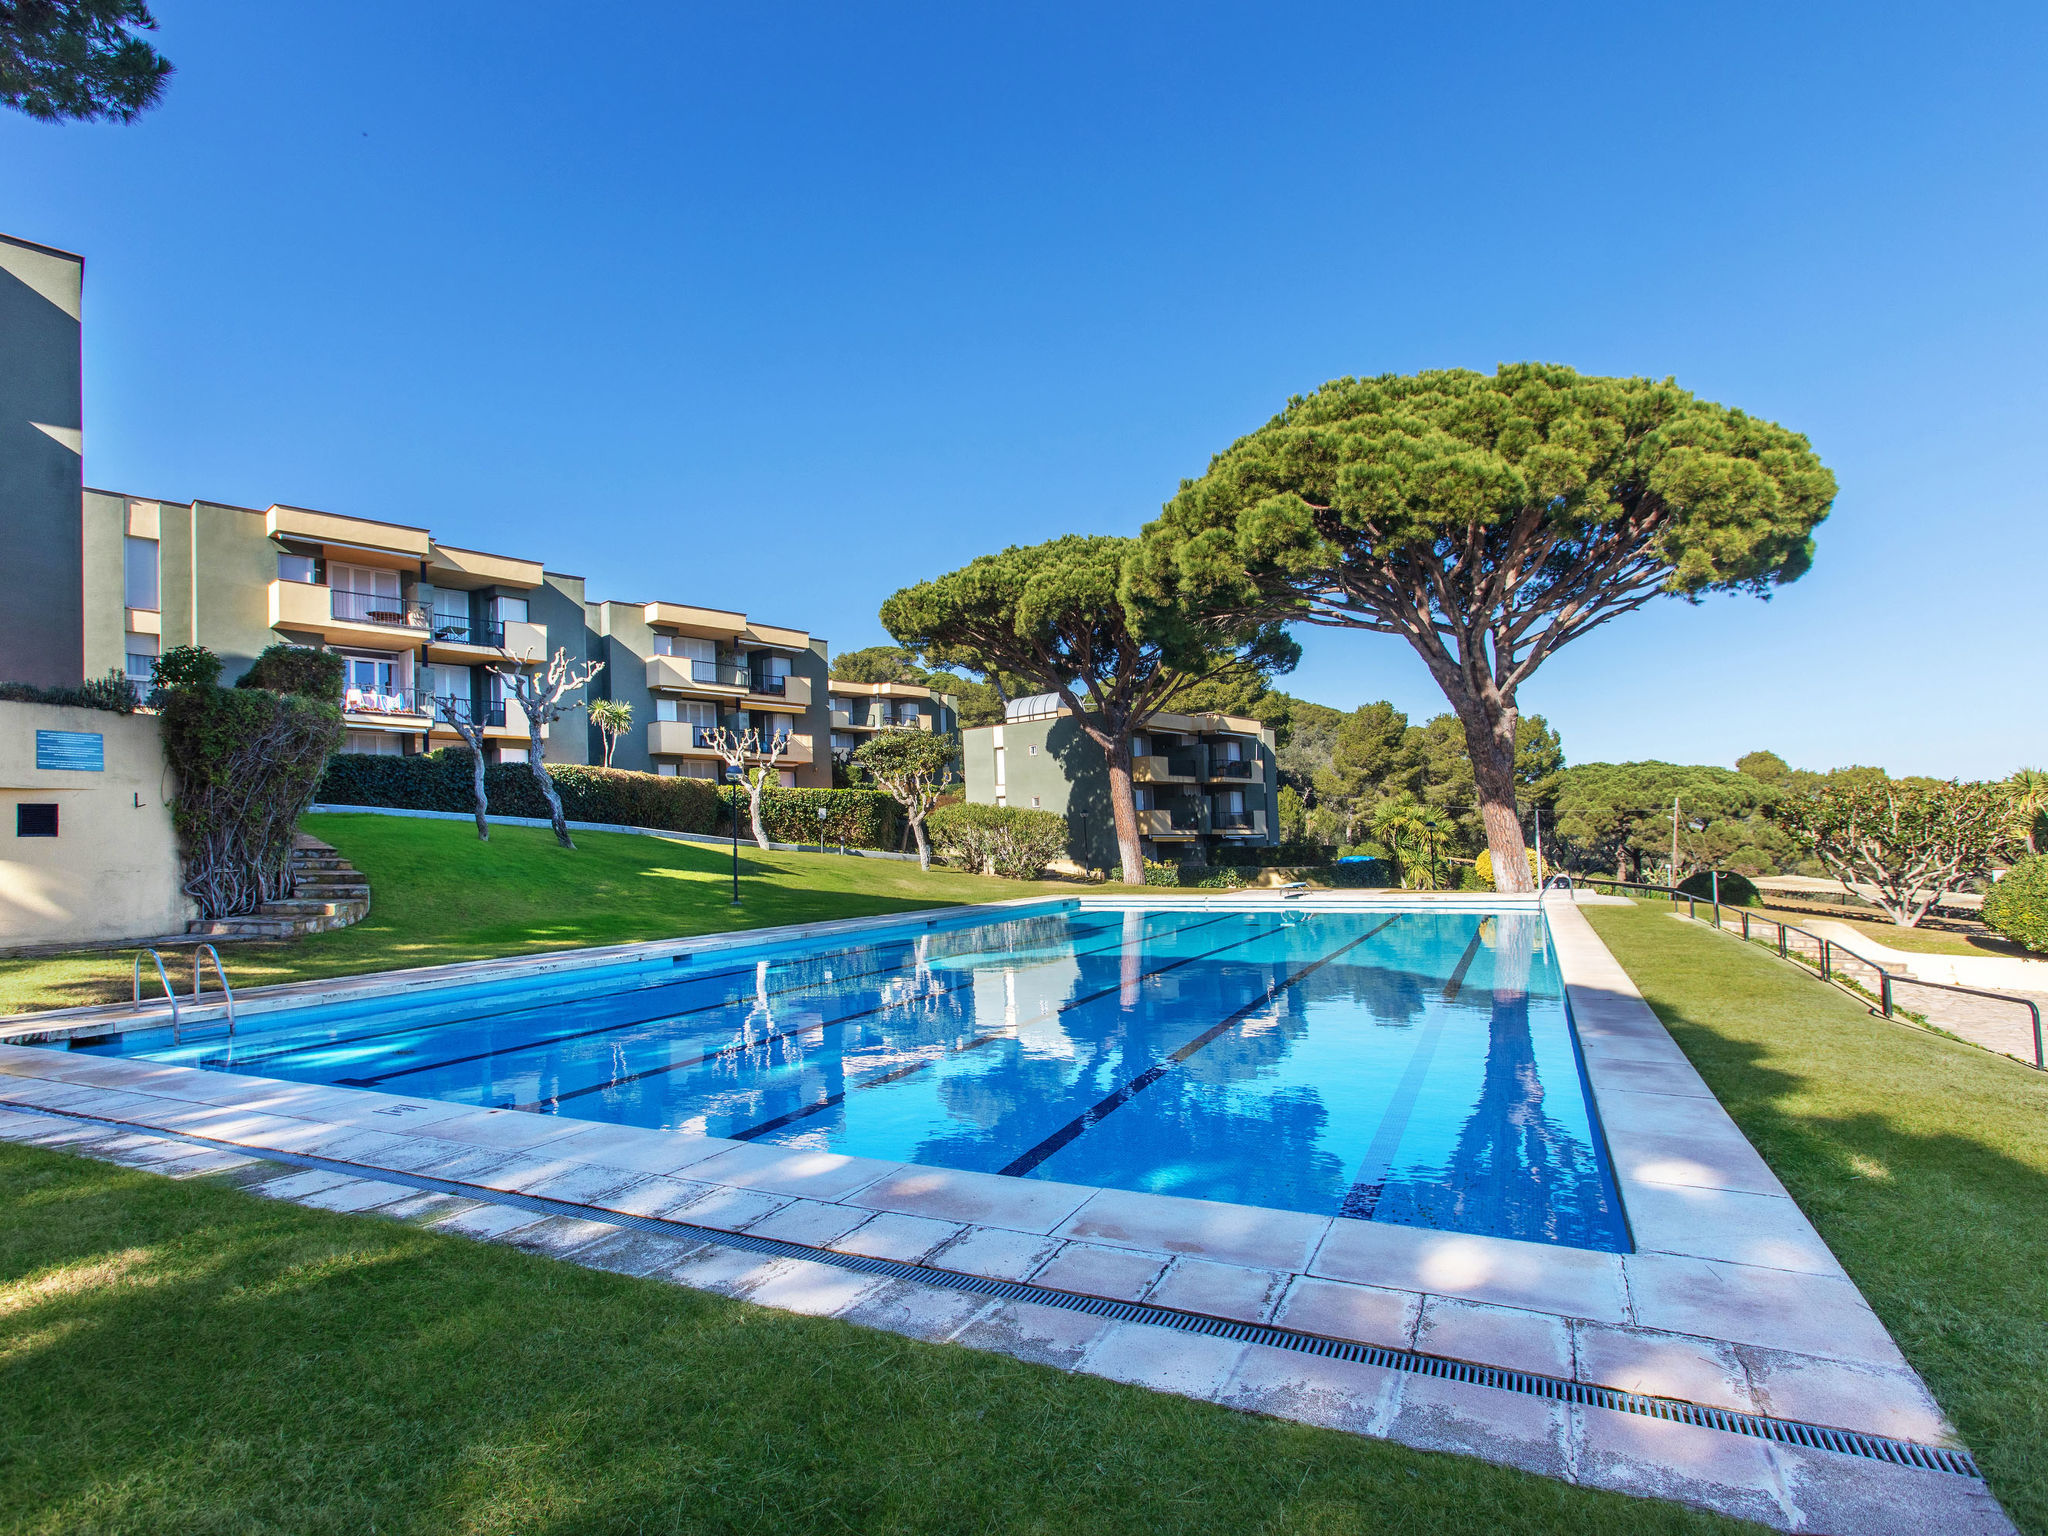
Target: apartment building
<point>416,621</point>
<point>98,579</point>
<point>688,671</point>
<point>860,710</point>
<point>1201,782</point>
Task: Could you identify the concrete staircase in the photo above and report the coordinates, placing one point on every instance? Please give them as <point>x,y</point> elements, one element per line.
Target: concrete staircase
<point>327,892</point>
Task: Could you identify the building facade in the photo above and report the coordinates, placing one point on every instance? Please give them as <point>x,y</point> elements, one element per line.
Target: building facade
<point>1202,782</point>
<point>688,671</point>
<point>93,580</point>
<point>416,621</point>
<point>860,710</point>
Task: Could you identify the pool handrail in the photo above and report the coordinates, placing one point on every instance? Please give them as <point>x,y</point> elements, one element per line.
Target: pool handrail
<point>198,977</point>
<point>170,992</point>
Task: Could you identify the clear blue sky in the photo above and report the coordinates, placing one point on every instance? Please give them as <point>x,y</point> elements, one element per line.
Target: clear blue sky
<point>781,307</point>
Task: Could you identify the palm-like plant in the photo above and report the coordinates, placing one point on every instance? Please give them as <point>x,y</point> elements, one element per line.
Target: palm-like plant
<point>2029,791</point>
<point>1397,824</point>
<point>613,718</point>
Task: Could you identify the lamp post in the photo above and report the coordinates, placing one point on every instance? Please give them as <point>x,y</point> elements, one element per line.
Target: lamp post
<point>733,777</point>
<point>822,814</point>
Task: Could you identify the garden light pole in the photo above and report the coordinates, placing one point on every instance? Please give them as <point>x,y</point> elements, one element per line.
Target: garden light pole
<point>732,777</point>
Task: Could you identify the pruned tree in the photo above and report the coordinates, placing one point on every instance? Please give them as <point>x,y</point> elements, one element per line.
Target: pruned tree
<point>1489,520</point>
<point>1907,843</point>
<point>914,768</point>
<point>1062,618</point>
<point>544,696</point>
<point>736,747</point>
<point>459,712</point>
<point>613,718</point>
<point>79,59</point>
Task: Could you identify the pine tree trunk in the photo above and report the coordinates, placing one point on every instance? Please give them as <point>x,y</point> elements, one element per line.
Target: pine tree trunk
<point>1123,809</point>
<point>1490,739</point>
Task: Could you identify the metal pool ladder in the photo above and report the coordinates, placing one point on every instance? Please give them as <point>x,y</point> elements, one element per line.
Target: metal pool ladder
<point>198,979</point>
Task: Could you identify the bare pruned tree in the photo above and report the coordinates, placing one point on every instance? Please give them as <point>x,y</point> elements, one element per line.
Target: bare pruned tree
<point>460,713</point>
<point>736,747</point>
<point>543,694</point>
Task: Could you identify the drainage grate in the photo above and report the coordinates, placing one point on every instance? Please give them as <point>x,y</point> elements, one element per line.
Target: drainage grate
<point>1904,1453</point>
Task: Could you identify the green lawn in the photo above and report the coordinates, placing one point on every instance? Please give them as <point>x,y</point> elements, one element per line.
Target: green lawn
<point>1916,941</point>
<point>437,894</point>
<point>1922,1161</point>
<point>183,1357</point>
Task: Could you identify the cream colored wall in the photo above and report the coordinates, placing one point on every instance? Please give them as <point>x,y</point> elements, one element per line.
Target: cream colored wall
<point>111,872</point>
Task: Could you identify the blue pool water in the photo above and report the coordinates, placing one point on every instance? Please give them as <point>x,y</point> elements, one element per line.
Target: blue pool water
<point>1417,1068</point>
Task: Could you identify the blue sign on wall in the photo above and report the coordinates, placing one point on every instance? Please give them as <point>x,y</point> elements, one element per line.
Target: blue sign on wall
<point>84,751</point>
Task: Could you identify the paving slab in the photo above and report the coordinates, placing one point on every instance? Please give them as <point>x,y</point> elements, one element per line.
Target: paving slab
<point>1873,1399</point>
<point>983,1199</point>
<point>996,1252</point>
<point>1230,1234</point>
<point>644,1151</point>
<point>915,1311</point>
<point>356,1195</point>
<point>1663,1459</point>
<point>791,1170</point>
<point>1220,1290</point>
<point>1047,1335</point>
<point>559,1235</point>
<point>630,1251</point>
<point>813,1289</point>
<point>1163,1359</point>
<point>892,1236</point>
<point>815,1223</point>
<point>1764,1230</point>
<point>1435,1413</point>
<point>1743,1304</point>
<point>1826,1491</point>
<point>1090,1270</point>
<point>1508,1337</point>
<point>487,1220</point>
<point>1572,1282</point>
<point>1696,1370</point>
<point>730,1210</point>
<point>1365,1314</point>
<point>655,1195</point>
<point>1312,1389</point>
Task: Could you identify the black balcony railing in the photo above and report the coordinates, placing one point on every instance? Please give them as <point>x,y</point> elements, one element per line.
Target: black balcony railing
<point>376,608</point>
<point>453,631</point>
<point>718,673</point>
<point>1231,821</point>
<point>1236,768</point>
<point>1180,765</point>
<point>770,683</point>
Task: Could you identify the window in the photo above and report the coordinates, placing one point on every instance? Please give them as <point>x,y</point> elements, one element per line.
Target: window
<point>365,592</point>
<point>1034,802</point>
<point>370,682</point>
<point>35,820</point>
<point>788,779</point>
<point>142,654</point>
<point>837,705</point>
<point>451,610</point>
<point>698,712</point>
<point>139,575</point>
<point>300,568</point>
<point>511,754</point>
<point>665,770</point>
<point>373,743</point>
<point>504,608</point>
<point>698,770</point>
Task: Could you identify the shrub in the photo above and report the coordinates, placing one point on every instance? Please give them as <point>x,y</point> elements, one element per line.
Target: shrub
<point>2017,906</point>
<point>1736,890</point>
<point>185,666</point>
<point>299,670</point>
<point>113,693</point>
<point>1483,867</point>
<point>1157,873</point>
<point>248,762</point>
<point>1005,840</point>
<point>440,781</point>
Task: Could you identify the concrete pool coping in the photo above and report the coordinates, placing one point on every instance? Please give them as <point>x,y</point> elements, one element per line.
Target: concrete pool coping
<point>1730,1300</point>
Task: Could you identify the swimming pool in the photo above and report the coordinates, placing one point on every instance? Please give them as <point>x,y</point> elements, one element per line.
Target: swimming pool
<point>1410,1067</point>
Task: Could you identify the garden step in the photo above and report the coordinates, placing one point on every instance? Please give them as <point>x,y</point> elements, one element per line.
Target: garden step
<point>327,892</point>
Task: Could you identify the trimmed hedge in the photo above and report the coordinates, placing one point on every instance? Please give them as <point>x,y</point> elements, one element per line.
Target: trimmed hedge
<point>1736,890</point>
<point>112,693</point>
<point>2017,906</point>
<point>1007,840</point>
<point>440,781</point>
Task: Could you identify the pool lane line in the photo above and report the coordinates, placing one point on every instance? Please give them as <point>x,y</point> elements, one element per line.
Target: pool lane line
<point>1457,982</point>
<point>1561,1389</point>
<point>1370,1182</point>
<point>538,1106</point>
<point>598,1029</point>
<point>1090,1118</point>
<point>670,983</point>
<point>804,1111</point>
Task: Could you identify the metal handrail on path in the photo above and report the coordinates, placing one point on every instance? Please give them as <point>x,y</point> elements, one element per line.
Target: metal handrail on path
<point>1825,957</point>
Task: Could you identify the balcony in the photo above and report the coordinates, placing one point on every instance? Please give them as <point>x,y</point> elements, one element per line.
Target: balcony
<point>842,720</point>
<point>795,755</point>
<point>1176,769</point>
<point>683,675</point>
<point>794,691</point>
<point>1170,822</point>
<point>679,738</point>
<point>1242,769</point>
<point>364,703</point>
<point>1238,823</point>
<point>342,617</point>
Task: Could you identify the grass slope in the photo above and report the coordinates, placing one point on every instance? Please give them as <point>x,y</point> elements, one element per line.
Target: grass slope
<point>1922,1161</point>
<point>438,895</point>
<point>185,1357</point>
